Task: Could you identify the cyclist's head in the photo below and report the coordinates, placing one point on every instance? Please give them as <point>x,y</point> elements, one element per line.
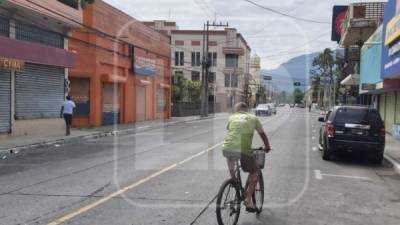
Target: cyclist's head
<point>68,98</point>
<point>241,107</point>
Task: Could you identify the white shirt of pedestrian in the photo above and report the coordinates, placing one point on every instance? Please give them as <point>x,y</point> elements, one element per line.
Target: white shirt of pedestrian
<point>69,107</point>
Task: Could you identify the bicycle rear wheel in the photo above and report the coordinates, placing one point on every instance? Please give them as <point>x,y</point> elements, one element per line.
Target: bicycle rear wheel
<point>228,203</point>
<point>258,196</point>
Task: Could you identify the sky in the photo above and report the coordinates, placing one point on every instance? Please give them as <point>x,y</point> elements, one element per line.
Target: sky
<point>275,38</point>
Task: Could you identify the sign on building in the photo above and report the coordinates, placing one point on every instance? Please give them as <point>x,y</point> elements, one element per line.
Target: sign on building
<point>11,64</point>
<point>145,63</point>
<point>339,16</point>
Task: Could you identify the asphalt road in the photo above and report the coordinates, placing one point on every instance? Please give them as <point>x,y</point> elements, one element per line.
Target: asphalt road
<point>172,175</point>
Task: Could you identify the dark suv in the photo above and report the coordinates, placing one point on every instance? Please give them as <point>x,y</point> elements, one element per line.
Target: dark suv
<point>352,128</point>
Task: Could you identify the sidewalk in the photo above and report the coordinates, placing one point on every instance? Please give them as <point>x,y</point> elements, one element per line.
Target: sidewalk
<point>15,144</point>
<point>392,151</point>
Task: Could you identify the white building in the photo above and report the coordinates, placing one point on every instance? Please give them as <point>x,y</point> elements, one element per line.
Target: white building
<point>255,76</point>
<point>230,60</point>
<point>229,54</point>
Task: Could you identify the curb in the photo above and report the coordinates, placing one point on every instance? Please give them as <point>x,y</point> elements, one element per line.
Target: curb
<point>394,162</point>
<point>6,153</point>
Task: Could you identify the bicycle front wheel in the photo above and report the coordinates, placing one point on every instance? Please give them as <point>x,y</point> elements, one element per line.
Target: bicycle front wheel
<point>228,203</point>
<point>258,196</point>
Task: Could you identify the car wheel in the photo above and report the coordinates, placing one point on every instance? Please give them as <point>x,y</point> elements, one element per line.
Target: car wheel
<point>378,158</point>
<point>326,153</point>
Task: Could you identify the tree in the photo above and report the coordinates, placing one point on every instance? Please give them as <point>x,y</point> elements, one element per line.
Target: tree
<point>298,95</point>
<point>324,73</point>
<point>185,90</point>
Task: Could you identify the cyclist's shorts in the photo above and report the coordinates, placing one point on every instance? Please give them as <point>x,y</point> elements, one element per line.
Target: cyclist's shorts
<point>249,163</point>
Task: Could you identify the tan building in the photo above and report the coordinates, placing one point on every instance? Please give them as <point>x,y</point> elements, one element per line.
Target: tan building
<point>255,76</point>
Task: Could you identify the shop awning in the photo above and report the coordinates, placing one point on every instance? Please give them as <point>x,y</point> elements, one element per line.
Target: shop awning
<point>36,53</point>
<point>351,80</point>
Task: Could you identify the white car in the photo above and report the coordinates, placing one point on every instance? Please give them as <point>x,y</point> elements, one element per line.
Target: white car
<point>272,108</point>
<point>263,110</point>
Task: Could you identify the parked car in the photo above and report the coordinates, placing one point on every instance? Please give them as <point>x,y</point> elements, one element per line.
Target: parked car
<point>281,105</point>
<point>301,105</point>
<point>272,108</point>
<point>263,110</point>
<point>292,105</point>
<point>350,129</point>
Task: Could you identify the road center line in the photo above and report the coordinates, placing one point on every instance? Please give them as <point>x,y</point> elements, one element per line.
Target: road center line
<point>132,186</point>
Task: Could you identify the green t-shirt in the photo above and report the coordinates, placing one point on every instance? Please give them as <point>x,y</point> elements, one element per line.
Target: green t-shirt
<point>241,127</point>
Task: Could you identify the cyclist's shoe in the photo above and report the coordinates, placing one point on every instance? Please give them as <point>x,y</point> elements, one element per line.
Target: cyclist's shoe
<point>250,207</point>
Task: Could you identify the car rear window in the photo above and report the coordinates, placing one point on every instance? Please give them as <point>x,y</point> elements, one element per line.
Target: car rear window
<point>357,116</point>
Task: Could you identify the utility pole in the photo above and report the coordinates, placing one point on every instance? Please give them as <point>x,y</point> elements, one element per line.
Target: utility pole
<point>206,64</point>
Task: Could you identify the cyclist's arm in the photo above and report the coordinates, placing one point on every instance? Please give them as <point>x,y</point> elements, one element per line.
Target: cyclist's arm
<point>263,135</point>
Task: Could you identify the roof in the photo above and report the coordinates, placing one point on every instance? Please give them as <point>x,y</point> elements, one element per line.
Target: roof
<point>212,32</point>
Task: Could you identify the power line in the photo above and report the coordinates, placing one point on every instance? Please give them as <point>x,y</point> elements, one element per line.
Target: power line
<point>285,14</point>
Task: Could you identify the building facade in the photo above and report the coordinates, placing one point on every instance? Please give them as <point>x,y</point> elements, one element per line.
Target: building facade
<point>34,63</point>
<point>255,80</point>
<point>389,97</point>
<point>229,54</point>
<point>361,21</point>
<point>123,71</point>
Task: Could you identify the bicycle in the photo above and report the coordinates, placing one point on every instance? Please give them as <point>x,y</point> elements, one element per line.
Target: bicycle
<point>228,208</point>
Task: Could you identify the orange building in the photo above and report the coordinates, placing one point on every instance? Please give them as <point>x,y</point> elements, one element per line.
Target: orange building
<point>123,72</point>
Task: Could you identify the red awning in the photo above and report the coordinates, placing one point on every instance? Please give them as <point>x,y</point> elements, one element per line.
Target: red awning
<point>36,53</point>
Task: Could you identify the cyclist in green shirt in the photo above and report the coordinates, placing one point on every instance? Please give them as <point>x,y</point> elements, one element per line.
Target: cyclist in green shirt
<point>237,145</point>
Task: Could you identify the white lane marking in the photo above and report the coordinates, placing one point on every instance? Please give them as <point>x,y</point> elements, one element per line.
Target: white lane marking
<point>314,149</point>
<point>318,174</point>
<point>314,131</point>
<point>313,138</point>
<point>345,176</point>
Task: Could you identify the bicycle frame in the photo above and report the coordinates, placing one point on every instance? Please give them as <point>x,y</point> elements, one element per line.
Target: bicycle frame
<point>239,179</point>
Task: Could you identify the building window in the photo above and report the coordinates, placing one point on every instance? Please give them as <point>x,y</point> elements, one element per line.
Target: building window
<point>231,80</point>
<point>195,76</point>
<point>179,58</point>
<point>211,77</point>
<point>34,34</point>
<point>71,3</point>
<point>4,27</point>
<point>196,61</point>
<point>212,56</point>
<point>232,60</point>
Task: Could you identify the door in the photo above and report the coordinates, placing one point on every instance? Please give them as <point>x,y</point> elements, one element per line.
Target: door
<point>140,103</point>
<point>5,102</point>
<point>111,103</point>
<point>80,94</point>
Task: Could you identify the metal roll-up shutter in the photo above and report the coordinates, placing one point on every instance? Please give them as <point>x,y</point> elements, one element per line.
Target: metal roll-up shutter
<point>39,92</point>
<point>5,101</point>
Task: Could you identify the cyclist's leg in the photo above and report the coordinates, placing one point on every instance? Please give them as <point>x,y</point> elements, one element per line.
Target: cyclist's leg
<point>249,164</point>
<point>231,158</point>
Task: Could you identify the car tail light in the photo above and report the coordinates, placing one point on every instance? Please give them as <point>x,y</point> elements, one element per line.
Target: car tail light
<point>383,132</point>
<point>330,129</point>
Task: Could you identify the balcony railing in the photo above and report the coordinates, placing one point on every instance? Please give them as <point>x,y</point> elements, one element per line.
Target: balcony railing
<point>71,3</point>
<point>363,15</point>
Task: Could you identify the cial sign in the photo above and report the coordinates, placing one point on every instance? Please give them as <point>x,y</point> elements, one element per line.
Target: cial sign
<point>267,78</point>
<point>11,64</point>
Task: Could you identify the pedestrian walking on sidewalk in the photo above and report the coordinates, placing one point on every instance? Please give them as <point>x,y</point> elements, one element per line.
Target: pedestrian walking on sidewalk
<point>67,111</point>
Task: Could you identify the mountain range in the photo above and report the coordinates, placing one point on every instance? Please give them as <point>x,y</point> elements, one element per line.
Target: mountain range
<point>296,69</point>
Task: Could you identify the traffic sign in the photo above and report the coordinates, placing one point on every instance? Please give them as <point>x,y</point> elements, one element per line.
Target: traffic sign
<point>297,84</point>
